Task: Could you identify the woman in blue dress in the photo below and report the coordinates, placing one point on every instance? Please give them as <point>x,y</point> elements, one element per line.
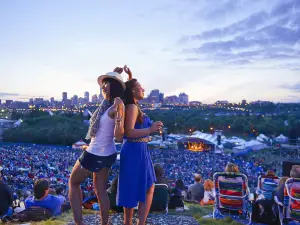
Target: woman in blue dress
<point>137,176</point>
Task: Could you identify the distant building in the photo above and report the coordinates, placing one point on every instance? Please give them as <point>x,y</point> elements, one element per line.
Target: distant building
<point>64,97</point>
<point>94,99</point>
<point>183,98</point>
<point>74,100</point>
<point>0,101</point>
<point>222,103</point>
<point>38,101</point>
<point>100,98</point>
<point>171,100</point>
<point>8,102</point>
<point>87,97</point>
<point>31,101</point>
<point>261,102</point>
<point>244,102</point>
<point>154,96</point>
<point>81,101</point>
<point>52,101</point>
<point>19,105</point>
<point>195,103</point>
<point>161,97</point>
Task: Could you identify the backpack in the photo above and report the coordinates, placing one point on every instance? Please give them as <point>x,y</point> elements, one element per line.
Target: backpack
<point>33,213</point>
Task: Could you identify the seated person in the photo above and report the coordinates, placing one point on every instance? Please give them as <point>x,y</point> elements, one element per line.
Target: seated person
<point>196,190</point>
<point>59,192</point>
<point>160,172</point>
<point>209,193</point>
<point>231,168</point>
<point>263,194</point>
<point>6,197</point>
<point>161,194</point>
<point>112,194</point>
<point>279,193</point>
<point>43,199</point>
<point>176,199</point>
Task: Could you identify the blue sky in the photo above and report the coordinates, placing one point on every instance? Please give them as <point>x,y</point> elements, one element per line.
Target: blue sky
<point>210,49</point>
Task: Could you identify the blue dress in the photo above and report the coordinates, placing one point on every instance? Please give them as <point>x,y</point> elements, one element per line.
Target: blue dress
<point>136,171</point>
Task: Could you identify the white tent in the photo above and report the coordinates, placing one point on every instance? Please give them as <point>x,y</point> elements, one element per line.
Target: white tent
<point>207,137</point>
<point>282,138</point>
<point>234,140</point>
<point>255,145</point>
<point>79,145</point>
<point>262,138</point>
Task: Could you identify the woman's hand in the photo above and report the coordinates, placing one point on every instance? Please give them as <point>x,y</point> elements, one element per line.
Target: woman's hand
<point>156,126</point>
<point>128,71</point>
<point>118,70</point>
<point>117,102</point>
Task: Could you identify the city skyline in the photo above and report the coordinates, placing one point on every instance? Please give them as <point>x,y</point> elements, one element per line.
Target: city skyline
<point>233,50</point>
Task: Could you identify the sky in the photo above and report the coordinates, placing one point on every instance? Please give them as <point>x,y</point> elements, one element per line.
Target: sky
<point>210,49</point>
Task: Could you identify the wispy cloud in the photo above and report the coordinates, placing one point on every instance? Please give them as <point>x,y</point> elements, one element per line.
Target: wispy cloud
<point>294,87</point>
<point>264,35</point>
<point>3,94</point>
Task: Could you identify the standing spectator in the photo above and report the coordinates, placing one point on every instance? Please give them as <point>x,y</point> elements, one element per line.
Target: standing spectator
<point>196,190</point>
<point>6,198</point>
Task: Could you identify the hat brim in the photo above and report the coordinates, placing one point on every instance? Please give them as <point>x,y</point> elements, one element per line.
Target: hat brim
<point>102,77</point>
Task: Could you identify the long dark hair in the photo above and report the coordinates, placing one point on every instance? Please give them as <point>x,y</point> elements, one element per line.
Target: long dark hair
<point>128,97</point>
<point>116,89</point>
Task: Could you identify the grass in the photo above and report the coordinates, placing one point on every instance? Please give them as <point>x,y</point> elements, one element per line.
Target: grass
<point>198,212</point>
<point>195,211</point>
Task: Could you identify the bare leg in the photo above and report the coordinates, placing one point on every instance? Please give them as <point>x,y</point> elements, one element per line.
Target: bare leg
<point>144,208</point>
<point>100,185</point>
<point>128,213</point>
<point>78,175</point>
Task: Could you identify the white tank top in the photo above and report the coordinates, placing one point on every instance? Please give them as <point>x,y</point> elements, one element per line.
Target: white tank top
<point>103,143</point>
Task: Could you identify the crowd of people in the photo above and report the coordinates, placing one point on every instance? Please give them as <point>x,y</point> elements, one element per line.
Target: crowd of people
<point>22,165</point>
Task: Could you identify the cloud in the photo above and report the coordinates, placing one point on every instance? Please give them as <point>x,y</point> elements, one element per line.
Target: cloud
<point>263,35</point>
<point>294,87</point>
<point>251,22</point>
<point>3,94</point>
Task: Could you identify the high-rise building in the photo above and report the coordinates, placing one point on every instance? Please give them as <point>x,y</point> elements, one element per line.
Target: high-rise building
<point>64,97</point>
<point>74,100</point>
<point>94,99</point>
<point>183,98</point>
<point>244,102</point>
<point>81,101</point>
<point>100,98</point>
<point>52,101</point>
<point>154,96</point>
<point>38,101</point>
<point>87,96</point>
<point>31,101</point>
<point>0,101</point>
<point>161,97</point>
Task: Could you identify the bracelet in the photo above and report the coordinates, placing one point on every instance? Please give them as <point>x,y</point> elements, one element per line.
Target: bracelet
<point>118,120</point>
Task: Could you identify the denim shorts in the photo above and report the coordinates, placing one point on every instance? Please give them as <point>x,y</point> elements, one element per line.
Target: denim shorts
<point>95,163</point>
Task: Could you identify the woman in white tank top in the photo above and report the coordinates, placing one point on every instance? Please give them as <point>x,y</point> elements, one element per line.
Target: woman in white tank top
<point>105,124</point>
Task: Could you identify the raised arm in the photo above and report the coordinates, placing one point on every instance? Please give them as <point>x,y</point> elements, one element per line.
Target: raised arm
<point>119,122</point>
